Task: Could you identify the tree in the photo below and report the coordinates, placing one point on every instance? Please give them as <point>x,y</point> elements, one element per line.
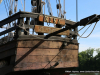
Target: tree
<point>87,61</point>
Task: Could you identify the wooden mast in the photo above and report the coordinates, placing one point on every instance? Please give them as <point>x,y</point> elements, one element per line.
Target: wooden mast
<point>39,11</point>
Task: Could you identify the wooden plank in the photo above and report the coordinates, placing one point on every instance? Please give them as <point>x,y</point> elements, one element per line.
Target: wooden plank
<point>43,52</point>
<point>34,66</point>
<point>52,38</point>
<point>8,30</point>
<point>39,44</point>
<point>45,44</point>
<point>29,15</point>
<point>51,19</point>
<point>46,58</point>
<point>65,56</point>
<point>45,29</point>
<point>72,46</point>
<point>9,19</point>
<point>8,46</point>
<point>23,60</point>
<point>61,64</point>
<point>28,66</point>
<point>7,53</point>
<point>69,22</point>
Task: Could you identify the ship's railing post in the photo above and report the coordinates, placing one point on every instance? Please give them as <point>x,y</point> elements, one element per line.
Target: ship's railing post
<point>27,22</point>
<point>75,30</point>
<point>70,34</point>
<point>19,31</point>
<point>39,11</point>
<point>58,26</point>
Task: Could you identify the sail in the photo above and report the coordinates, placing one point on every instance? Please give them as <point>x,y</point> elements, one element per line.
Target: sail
<point>1,1</point>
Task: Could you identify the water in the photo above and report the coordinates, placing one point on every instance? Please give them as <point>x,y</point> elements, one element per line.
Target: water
<point>85,74</point>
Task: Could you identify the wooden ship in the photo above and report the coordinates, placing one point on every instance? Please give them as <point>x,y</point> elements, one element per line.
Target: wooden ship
<point>51,54</point>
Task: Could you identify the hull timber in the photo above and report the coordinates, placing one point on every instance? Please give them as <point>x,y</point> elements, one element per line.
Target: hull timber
<point>32,55</point>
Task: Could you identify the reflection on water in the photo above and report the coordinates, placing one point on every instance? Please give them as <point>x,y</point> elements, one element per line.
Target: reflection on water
<point>85,74</point>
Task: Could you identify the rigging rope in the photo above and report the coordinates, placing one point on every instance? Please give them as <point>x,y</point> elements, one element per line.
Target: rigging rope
<point>49,7</point>
<point>15,6</point>
<point>59,9</point>
<point>44,8</point>
<point>12,6</point>
<point>5,8</point>
<point>28,31</point>
<point>86,30</point>
<point>22,4</point>
<point>88,23</point>
<point>7,4</point>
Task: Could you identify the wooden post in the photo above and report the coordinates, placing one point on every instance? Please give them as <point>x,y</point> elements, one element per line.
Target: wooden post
<point>19,30</point>
<point>39,11</point>
<point>58,26</point>
<point>27,22</point>
<point>69,34</point>
<point>76,30</point>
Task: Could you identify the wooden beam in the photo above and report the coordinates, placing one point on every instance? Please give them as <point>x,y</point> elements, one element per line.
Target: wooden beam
<point>69,22</point>
<point>7,53</point>
<point>29,15</point>
<point>52,38</point>
<point>45,29</point>
<point>45,45</point>
<point>48,52</point>
<point>8,30</point>
<point>9,19</point>
<point>51,19</point>
<point>39,65</point>
<point>61,30</point>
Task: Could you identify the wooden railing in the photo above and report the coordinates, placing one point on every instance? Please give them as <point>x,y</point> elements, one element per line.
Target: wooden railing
<point>20,28</point>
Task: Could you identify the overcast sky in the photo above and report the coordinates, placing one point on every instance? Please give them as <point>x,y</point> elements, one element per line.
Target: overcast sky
<point>85,9</point>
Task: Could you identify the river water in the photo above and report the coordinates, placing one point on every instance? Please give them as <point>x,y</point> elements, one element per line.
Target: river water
<point>85,74</point>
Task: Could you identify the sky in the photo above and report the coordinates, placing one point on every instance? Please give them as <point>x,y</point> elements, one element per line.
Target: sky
<point>85,9</point>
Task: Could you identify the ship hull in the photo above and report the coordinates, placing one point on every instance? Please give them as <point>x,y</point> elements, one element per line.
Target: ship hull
<point>35,55</point>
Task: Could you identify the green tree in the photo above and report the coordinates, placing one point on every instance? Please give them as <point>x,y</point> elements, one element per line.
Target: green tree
<point>86,60</point>
<point>97,59</point>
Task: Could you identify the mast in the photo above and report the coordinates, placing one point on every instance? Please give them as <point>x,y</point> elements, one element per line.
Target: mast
<point>36,8</point>
<point>59,7</point>
<point>39,11</point>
